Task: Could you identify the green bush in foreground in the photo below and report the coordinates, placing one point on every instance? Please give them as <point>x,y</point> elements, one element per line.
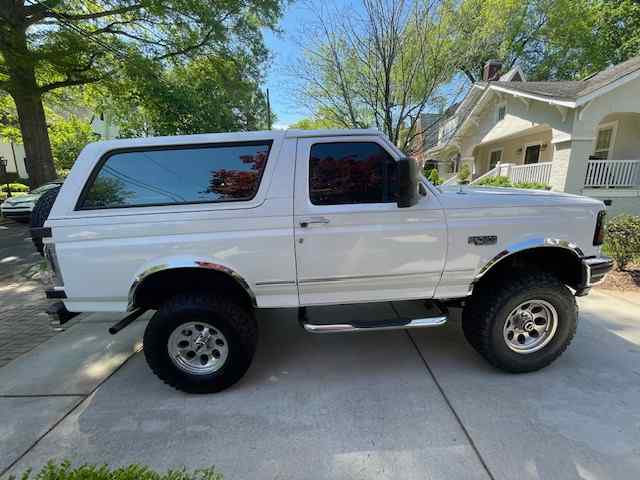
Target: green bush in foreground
<point>623,239</point>
<point>64,471</point>
<point>15,187</point>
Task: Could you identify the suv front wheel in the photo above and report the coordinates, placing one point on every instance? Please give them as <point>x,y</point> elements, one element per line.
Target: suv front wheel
<point>200,342</point>
<point>523,323</point>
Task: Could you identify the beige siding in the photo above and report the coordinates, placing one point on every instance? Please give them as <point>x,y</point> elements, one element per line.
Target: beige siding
<point>510,153</point>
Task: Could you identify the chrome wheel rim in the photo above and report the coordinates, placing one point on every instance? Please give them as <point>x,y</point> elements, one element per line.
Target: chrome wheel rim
<point>198,348</point>
<point>530,326</point>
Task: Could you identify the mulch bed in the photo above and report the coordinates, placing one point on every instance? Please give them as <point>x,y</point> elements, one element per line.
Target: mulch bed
<point>623,281</point>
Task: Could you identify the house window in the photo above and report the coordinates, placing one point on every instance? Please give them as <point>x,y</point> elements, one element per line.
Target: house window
<point>502,111</point>
<point>532,154</point>
<point>604,141</point>
<point>494,157</point>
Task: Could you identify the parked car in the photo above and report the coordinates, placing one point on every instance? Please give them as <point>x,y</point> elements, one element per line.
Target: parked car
<point>19,207</point>
<point>205,229</point>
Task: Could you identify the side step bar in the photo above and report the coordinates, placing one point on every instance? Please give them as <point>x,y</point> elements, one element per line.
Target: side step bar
<point>374,326</point>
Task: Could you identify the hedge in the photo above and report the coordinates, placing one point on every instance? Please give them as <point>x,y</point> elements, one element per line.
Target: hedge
<point>64,471</point>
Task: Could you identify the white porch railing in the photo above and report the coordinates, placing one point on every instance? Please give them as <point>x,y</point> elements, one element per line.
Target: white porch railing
<point>613,173</point>
<point>452,180</point>
<point>532,173</point>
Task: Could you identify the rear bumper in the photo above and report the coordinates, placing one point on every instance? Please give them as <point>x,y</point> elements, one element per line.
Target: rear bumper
<point>594,270</point>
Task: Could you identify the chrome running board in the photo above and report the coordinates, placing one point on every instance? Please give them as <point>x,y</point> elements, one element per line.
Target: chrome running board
<point>374,326</point>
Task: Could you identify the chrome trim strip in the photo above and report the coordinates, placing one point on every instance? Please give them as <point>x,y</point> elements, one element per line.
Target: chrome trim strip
<point>276,282</point>
<point>176,264</point>
<point>366,277</point>
<point>528,245</point>
<point>347,327</point>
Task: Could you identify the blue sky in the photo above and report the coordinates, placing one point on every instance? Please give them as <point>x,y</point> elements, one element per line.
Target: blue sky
<point>285,50</point>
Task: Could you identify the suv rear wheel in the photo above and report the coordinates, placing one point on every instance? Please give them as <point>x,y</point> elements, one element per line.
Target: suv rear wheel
<point>523,324</point>
<point>200,343</point>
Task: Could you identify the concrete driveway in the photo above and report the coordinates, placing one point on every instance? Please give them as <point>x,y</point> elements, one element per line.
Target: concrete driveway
<point>359,406</point>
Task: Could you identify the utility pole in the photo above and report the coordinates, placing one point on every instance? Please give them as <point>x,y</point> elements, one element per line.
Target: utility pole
<point>268,111</point>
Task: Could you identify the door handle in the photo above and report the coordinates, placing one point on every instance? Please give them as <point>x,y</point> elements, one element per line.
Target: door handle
<point>308,221</point>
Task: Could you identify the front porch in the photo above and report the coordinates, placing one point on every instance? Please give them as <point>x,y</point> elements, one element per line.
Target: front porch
<point>601,174</point>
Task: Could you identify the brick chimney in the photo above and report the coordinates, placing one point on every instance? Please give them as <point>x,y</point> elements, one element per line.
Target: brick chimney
<point>491,70</point>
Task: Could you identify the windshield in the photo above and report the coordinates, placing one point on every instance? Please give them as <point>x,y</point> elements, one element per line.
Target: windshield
<point>45,187</point>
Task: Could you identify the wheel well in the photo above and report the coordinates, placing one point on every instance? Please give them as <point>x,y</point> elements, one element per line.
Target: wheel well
<point>160,286</point>
<point>563,263</point>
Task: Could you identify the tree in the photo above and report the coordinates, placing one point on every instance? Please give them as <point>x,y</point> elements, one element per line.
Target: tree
<point>321,119</point>
<point>382,68</point>
<point>550,39</point>
<point>68,137</point>
<point>203,95</point>
<point>51,44</point>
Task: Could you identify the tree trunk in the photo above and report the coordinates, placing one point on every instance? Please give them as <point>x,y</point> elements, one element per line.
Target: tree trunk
<point>22,85</point>
<point>33,124</point>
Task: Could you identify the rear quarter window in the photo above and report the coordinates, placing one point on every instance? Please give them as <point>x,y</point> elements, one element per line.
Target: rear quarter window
<point>176,175</point>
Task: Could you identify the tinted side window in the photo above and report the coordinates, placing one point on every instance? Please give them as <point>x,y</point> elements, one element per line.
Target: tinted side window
<point>145,177</point>
<point>351,172</point>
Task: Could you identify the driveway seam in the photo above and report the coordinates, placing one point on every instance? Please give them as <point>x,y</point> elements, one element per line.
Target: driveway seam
<point>43,395</point>
<point>64,417</point>
<point>453,410</point>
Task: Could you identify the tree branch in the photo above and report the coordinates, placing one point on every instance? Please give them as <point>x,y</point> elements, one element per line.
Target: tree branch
<point>68,82</point>
<point>96,15</point>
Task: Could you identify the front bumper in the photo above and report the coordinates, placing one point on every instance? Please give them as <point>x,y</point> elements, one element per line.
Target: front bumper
<point>594,270</point>
<point>14,212</point>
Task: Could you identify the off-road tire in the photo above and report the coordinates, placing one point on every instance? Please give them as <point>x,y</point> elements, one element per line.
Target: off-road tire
<point>485,314</point>
<point>40,214</point>
<point>234,319</point>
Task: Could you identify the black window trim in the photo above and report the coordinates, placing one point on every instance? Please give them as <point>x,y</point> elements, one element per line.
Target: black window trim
<point>151,148</point>
<point>334,142</point>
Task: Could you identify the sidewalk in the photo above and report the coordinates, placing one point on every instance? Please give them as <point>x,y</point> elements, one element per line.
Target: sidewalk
<point>23,321</point>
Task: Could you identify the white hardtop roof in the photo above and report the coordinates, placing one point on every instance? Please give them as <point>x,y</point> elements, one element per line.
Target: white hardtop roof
<point>230,137</point>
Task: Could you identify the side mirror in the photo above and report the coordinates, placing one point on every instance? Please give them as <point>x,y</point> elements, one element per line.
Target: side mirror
<point>407,183</point>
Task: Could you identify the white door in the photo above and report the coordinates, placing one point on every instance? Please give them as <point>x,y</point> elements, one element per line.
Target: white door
<point>353,243</point>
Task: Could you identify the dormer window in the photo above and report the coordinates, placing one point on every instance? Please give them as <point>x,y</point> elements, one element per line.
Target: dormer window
<point>501,112</point>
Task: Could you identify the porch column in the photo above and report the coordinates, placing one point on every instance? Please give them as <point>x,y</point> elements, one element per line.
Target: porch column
<point>569,166</point>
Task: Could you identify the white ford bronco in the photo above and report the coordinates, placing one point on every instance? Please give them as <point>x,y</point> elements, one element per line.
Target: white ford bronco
<point>204,229</point>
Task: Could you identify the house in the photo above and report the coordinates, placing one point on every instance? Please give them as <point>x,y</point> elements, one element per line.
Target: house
<point>14,154</point>
<point>579,137</point>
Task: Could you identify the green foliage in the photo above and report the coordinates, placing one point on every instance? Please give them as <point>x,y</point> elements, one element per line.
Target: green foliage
<point>320,120</point>
<point>623,239</point>
<point>497,181</point>
<point>434,177</point>
<point>531,185</point>
<point>215,94</point>
<point>68,137</point>
<point>502,181</point>
<point>64,471</point>
<point>464,175</point>
<point>559,39</point>
<point>15,187</point>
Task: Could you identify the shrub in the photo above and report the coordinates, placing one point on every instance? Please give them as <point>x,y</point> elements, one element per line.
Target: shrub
<point>623,239</point>
<point>64,471</point>
<point>434,178</point>
<point>497,181</point>
<point>15,187</point>
<point>531,185</point>
<point>464,175</point>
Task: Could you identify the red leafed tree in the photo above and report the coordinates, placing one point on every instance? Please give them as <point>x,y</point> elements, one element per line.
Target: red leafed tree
<point>235,184</point>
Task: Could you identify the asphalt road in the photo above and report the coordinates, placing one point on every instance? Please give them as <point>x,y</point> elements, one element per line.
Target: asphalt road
<point>375,405</point>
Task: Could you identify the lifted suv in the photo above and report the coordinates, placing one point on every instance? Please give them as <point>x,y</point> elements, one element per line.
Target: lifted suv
<point>205,229</point>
